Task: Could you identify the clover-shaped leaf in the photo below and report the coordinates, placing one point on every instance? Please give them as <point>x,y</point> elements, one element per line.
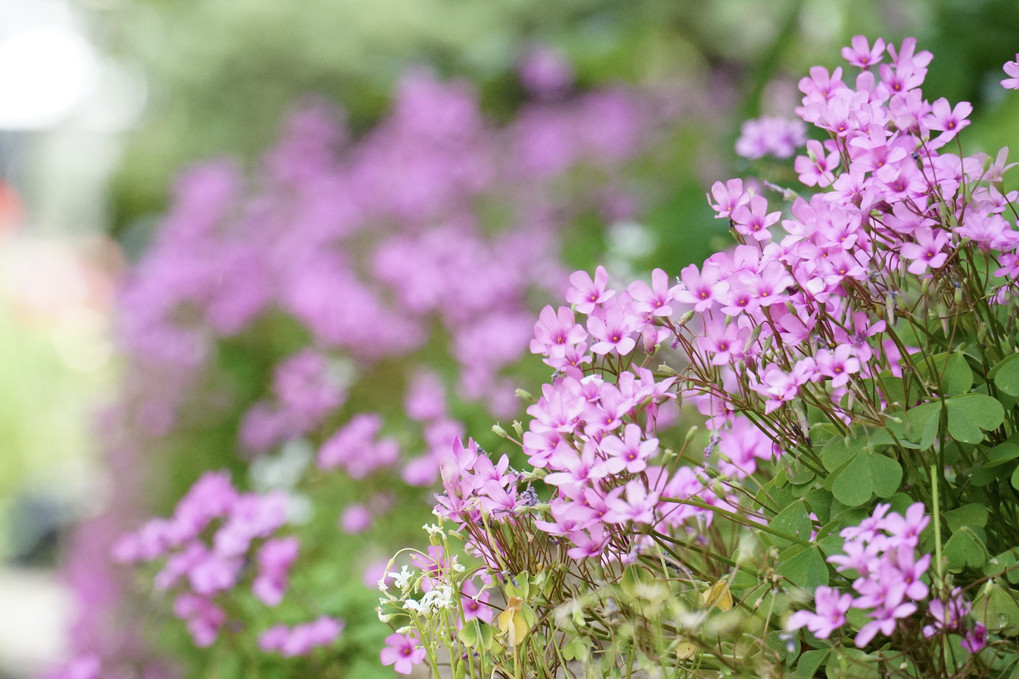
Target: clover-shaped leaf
<point>970,415</point>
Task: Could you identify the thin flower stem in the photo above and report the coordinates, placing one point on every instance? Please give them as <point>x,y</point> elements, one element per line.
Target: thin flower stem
<point>737,518</point>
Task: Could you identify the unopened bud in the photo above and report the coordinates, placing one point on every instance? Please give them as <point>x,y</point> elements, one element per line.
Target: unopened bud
<point>691,432</point>
<point>667,370</point>
<point>925,287</point>
<point>499,431</point>
<point>753,338</point>
<point>685,318</point>
<point>958,296</point>
<point>518,428</point>
<point>942,312</point>
<point>524,395</point>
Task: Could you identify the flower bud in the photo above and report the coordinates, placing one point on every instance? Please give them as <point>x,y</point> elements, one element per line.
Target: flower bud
<point>667,370</point>
<point>685,318</point>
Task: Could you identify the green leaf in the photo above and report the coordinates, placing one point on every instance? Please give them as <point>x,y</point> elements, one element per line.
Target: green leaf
<point>971,515</point>
<point>578,649</point>
<point>867,474</point>
<point>819,502</point>
<point>850,663</point>
<point>923,423</point>
<point>996,608</point>
<point>836,452</point>
<point>788,649</point>
<point>1006,561</point>
<point>957,378</point>
<point>809,662</point>
<point>892,389</point>
<point>803,566</point>
<point>971,413</point>
<point>1015,478</point>
<point>1001,453</point>
<point>469,633</point>
<point>1006,375</point>
<point>793,520</point>
<point>965,549</point>
<point>799,473</point>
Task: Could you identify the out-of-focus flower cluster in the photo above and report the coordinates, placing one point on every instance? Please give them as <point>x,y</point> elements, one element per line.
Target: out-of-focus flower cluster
<point>421,243</point>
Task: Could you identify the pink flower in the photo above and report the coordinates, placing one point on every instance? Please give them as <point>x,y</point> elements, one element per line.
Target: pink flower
<point>950,121</point>
<point>613,332</point>
<point>301,639</point>
<point>402,652</point>
<point>838,364</point>
<point>274,561</point>
<point>355,519</point>
<point>556,330</point>
<point>585,294</point>
<point>728,197</point>
<point>475,603</point>
<point>1011,69</point>
<point>927,251</point>
<point>701,288</point>
<point>976,638</point>
<point>632,450</point>
<point>755,220</point>
<point>863,55</point>
<point>653,299</point>
<point>772,136</point>
<point>817,167</point>
<point>831,610</point>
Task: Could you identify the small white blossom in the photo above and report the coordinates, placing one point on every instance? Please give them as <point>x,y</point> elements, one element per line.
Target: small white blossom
<point>402,579</point>
<point>439,598</point>
<point>432,529</point>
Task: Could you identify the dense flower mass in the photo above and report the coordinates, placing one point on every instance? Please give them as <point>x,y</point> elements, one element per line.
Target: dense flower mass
<point>889,582</point>
<point>205,547</point>
<point>842,351</point>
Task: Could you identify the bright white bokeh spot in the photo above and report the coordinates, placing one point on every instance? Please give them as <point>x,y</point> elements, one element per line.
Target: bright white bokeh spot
<point>44,73</point>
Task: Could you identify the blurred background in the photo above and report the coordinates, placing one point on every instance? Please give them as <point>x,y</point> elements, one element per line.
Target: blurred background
<point>104,103</point>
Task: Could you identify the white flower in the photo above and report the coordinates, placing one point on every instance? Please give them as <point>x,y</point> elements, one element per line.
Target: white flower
<point>439,598</point>
<point>402,579</point>
<point>432,529</point>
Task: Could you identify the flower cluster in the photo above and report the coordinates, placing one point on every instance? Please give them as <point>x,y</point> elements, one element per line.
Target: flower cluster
<point>882,553</point>
<point>301,639</point>
<point>278,298</point>
<point>771,136</point>
<point>851,346</point>
<point>205,545</point>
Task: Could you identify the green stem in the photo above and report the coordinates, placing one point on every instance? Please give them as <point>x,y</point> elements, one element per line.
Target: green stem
<point>739,519</point>
<point>937,527</point>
